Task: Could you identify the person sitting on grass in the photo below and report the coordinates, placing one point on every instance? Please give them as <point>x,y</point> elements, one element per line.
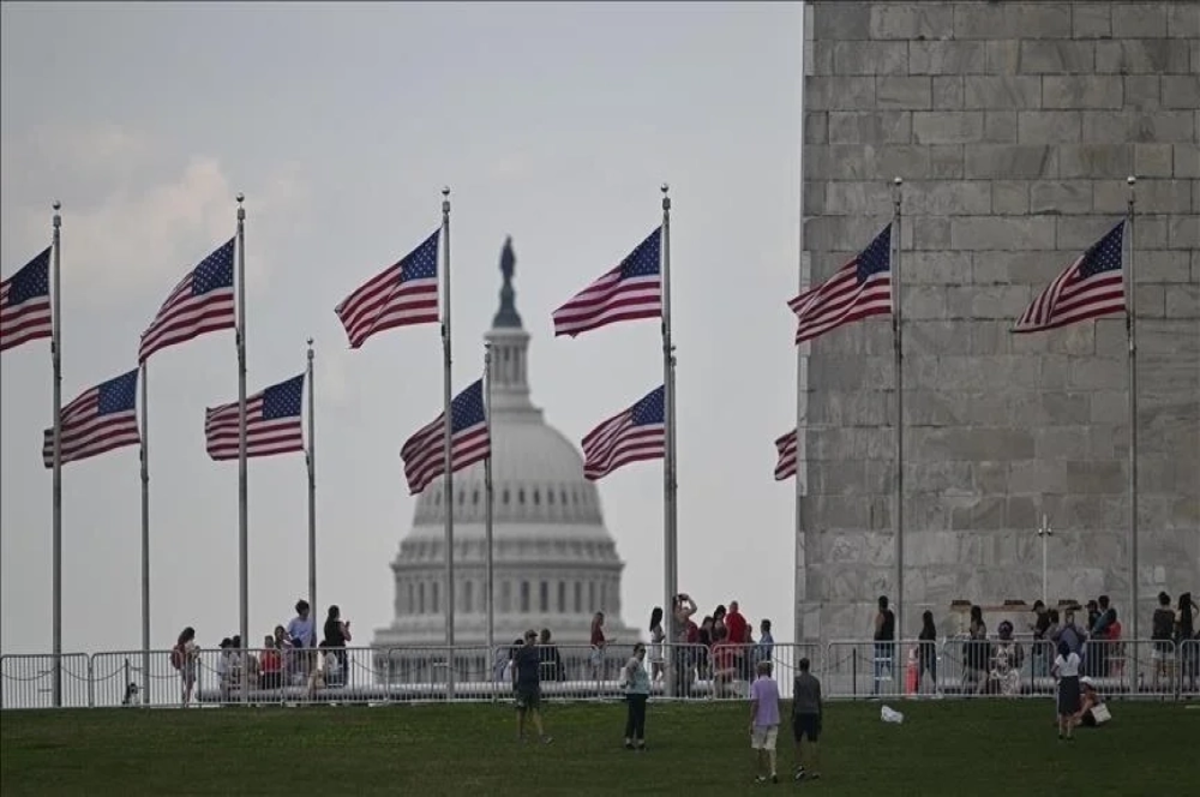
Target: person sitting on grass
<point>527,686</point>
<point>806,719</point>
<point>764,721</point>
<point>1093,712</point>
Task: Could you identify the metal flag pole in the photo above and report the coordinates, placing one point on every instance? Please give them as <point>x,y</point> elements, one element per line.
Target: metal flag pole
<point>1044,532</point>
<point>56,544</point>
<point>243,520</point>
<point>144,376</point>
<point>448,425</point>
<point>670,554</point>
<point>489,567</point>
<point>898,327</point>
<point>1131,330</point>
<point>311,461</point>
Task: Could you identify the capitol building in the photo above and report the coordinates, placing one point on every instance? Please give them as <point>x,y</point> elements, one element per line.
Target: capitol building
<point>555,563</point>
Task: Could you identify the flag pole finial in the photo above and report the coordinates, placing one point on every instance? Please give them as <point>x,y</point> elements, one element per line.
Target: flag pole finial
<point>666,202</point>
<point>57,205</point>
<point>241,211</point>
<point>1131,179</point>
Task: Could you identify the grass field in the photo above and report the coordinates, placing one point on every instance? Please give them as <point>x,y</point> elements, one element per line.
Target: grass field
<point>946,747</point>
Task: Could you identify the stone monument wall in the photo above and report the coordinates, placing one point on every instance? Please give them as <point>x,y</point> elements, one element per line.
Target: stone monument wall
<point>1014,126</point>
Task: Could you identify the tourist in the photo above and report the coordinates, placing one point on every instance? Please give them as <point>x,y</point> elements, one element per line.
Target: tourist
<point>807,709</point>
<point>1162,629</point>
<point>1185,643</point>
<point>527,686</point>
<point>976,668</point>
<point>271,664</point>
<point>657,636</point>
<point>337,634</point>
<point>1093,712</point>
<point>1007,658</point>
<point>636,682</point>
<point>183,659</point>
<point>927,650</point>
<point>764,722</point>
<point>885,637</point>
<point>599,644</point>
<point>765,649</point>
<point>552,663</point>
<point>302,635</point>
<point>682,657</point>
<point>1066,670</point>
<point>1041,625</point>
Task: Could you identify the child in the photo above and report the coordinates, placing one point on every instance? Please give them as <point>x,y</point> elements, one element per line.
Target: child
<point>1066,670</point>
<point>764,721</point>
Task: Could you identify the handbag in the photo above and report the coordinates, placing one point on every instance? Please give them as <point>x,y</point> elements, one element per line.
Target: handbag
<point>1100,714</point>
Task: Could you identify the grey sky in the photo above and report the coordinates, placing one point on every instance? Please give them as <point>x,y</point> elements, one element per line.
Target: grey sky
<point>554,123</point>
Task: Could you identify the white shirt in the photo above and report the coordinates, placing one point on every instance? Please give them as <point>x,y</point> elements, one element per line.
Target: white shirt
<point>1068,667</point>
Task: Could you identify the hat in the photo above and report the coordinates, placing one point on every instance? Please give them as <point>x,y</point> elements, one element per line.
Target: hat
<point>1087,681</point>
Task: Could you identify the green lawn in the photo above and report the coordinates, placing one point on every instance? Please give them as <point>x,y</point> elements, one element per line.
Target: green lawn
<point>945,747</point>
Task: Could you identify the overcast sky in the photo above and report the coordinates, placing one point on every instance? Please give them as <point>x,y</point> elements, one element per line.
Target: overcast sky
<point>554,123</point>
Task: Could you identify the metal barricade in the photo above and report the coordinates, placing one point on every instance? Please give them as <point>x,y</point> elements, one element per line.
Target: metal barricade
<point>129,678</point>
<point>27,681</point>
<point>858,669</point>
<point>1187,668</point>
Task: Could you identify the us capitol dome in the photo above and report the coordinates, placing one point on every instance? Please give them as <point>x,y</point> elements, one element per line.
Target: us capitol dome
<point>555,564</point>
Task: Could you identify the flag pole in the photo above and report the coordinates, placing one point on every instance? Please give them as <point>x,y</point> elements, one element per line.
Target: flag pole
<point>447,426</point>
<point>56,543</point>
<point>243,531</point>
<point>311,461</point>
<point>489,571</point>
<point>671,573</point>
<point>897,325</point>
<point>1131,330</point>
<point>144,377</point>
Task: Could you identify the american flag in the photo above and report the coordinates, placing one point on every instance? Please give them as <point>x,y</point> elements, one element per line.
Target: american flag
<point>858,289</point>
<point>424,453</point>
<point>1092,286</point>
<point>786,447</point>
<point>101,419</point>
<point>635,434</point>
<point>25,312</point>
<point>404,294</point>
<point>631,290</point>
<point>272,423</point>
<point>201,302</point>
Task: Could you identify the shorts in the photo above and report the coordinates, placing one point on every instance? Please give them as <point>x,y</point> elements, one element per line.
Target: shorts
<point>529,698</point>
<point>763,737</point>
<point>806,726</point>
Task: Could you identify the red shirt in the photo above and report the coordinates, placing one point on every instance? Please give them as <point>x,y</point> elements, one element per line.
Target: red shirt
<point>736,627</point>
<point>693,632</point>
<point>597,636</point>
<point>271,661</point>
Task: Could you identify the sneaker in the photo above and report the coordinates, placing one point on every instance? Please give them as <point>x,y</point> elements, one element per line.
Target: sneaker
<point>815,776</point>
<point>628,745</point>
<point>760,779</point>
<point>799,774</point>
<point>546,739</point>
<point>774,778</point>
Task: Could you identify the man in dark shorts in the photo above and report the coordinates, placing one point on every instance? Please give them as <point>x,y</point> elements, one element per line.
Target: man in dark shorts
<point>806,719</point>
<point>527,686</point>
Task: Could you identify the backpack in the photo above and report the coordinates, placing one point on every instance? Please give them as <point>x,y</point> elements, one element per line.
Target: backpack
<point>177,657</point>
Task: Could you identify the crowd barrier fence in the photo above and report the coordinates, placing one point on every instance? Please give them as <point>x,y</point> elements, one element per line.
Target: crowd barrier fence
<point>850,669</point>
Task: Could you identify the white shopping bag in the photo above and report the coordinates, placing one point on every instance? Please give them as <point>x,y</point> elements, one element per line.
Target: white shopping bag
<point>888,714</point>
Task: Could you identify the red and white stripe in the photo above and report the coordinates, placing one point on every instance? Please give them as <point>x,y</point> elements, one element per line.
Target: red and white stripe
<point>617,442</point>
<point>840,300</point>
<point>85,433</point>
<point>424,457</point>
<point>264,438</point>
<point>785,446</point>
<point>608,300</point>
<point>1069,300</point>
<point>184,316</point>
